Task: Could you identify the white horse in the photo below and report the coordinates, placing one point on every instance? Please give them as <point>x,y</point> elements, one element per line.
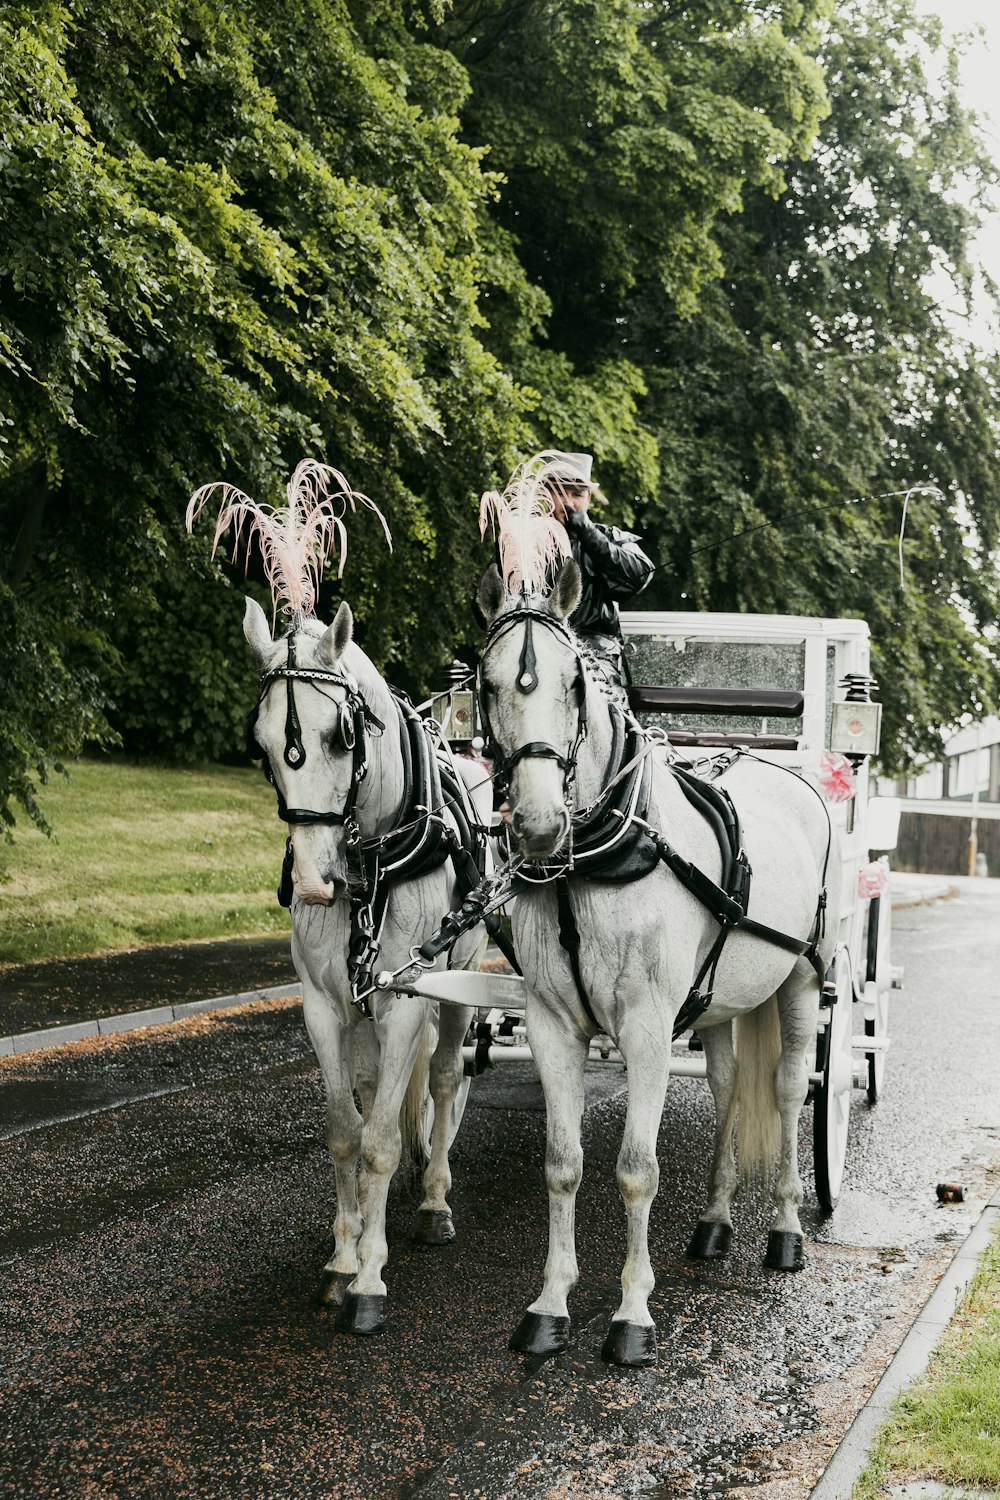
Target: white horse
<point>642,946</point>
<point>335,744</point>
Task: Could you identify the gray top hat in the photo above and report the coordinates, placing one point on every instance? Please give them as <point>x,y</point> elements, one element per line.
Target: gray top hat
<point>572,468</point>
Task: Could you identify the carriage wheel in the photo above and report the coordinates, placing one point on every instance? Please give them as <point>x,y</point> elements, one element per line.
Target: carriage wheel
<point>878,988</point>
<point>458,1104</point>
<point>832,1103</point>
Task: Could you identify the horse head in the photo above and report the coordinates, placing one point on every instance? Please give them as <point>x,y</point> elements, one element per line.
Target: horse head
<point>311,726</point>
<point>533,697</point>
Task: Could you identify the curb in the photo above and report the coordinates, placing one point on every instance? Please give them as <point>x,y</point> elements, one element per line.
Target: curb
<point>910,1361</point>
<point>163,1015</point>
<point>136,1020</point>
<point>945,892</point>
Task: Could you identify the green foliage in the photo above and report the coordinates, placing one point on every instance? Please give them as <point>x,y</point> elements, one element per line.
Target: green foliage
<point>232,237</point>
<point>822,371</point>
<point>420,241</point>
<point>187,679</point>
<point>54,698</point>
<point>751,256</point>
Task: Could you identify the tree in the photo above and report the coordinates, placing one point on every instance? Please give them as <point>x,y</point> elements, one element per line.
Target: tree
<point>821,416</point>
<point>752,264</point>
<point>625,133</point>
<point>230,238</point>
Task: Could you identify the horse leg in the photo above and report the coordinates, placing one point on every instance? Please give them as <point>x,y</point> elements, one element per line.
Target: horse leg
<point>797,1005</point>
<point>434,1224</point>
<point>364,1306</point>
<point>631,1338</point>
<point>332,1044</point>
<point>560,1052</point>
<point>713,1233</point>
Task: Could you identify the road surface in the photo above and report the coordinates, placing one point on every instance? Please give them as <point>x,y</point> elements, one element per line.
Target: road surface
<point>166,1211</point>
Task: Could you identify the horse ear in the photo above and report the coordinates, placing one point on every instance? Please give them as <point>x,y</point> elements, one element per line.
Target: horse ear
<point>565,595</point>
<point>491,597</point>
<point>338,636</point>
<point>257,631</point>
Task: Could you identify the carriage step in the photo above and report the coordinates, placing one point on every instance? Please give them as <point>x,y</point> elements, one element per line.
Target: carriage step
<point>871,1043</point>
<point>897,976</point>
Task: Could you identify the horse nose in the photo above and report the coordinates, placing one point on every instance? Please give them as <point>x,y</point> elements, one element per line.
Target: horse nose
<point>539,835</point>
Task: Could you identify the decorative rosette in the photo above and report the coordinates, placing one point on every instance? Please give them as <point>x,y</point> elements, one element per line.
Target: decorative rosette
<point>837,781</point>
<point>873,879</point>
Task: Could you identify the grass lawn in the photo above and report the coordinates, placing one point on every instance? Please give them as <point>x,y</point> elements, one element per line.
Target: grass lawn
<point>947,1425</point>
<point>142,855</point>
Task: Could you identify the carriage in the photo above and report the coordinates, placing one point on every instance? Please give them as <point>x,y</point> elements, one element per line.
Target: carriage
<point>796,691</point>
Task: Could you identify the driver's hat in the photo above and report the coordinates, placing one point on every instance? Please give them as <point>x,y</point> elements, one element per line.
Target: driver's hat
<point>572,468</point>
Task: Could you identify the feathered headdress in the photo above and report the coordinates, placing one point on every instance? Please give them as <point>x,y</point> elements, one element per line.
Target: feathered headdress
<point>529,538</point>
<point>297,539</point>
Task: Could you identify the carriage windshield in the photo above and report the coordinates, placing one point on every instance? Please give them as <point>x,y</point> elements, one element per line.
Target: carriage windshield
<point>673,660</point>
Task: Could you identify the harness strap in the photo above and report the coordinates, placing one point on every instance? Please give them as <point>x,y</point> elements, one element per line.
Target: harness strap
<point>569,938</point>
<point>730,910</point>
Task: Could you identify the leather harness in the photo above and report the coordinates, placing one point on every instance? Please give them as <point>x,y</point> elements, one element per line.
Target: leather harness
<point>421,838</point>
<point>614,844</point>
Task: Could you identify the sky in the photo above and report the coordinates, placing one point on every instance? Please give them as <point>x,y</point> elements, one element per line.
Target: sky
<point>981,91</point>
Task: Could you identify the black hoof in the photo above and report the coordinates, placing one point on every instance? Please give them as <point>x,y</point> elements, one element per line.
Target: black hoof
<point>333,1287</point>
<point>784,1251</point>
<point>540,1334</point>
<point>361,1313</point>
<point>631,1344</point>
<point>711,1240</point>
<point>433,1226</point>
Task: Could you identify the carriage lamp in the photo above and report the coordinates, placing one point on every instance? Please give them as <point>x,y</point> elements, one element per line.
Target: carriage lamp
<point>455,708</point>
<point>856,727</point>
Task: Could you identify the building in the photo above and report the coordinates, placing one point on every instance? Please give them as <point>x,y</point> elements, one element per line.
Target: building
<point>951,807</point>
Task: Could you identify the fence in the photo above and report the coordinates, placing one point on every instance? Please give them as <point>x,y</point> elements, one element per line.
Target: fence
<point>937,843</point>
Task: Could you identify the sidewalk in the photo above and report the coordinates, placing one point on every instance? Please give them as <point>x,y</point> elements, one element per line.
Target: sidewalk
<point>46,1004</point>
<point>150,986</point>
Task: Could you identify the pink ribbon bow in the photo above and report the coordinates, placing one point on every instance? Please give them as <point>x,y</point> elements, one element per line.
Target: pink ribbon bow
<point>836,778</point>
<point>873,880</point>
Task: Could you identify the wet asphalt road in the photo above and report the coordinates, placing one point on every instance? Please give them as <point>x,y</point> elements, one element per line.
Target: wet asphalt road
<point>160,1239</point>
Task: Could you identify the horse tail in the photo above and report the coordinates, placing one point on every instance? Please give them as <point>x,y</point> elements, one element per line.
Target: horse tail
<point>758,1123</point>
<point>411,1114</point>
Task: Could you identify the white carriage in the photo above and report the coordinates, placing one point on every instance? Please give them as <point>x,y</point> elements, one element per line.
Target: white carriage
<point>793,690</point>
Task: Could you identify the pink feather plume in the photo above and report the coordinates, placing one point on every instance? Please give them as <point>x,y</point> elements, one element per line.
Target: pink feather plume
<point>529,538</point>
<point>296,540</point>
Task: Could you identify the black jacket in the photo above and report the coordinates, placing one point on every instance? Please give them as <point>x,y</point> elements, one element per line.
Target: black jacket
<point>613,569</point>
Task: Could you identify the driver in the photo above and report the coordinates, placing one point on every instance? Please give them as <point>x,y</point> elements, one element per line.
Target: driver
<point>613,566</point>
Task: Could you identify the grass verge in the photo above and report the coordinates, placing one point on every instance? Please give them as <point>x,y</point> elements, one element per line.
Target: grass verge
<point>947,1425</point>
<point>143,855</point>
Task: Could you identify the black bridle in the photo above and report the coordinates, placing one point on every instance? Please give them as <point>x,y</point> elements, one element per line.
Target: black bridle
<point>527,682</point>
<point>348,733</point>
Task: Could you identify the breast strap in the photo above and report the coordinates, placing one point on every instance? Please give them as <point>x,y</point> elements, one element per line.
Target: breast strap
<point>727,900</point>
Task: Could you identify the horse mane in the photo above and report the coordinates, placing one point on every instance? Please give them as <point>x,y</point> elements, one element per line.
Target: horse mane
<point>297,539</point>
<point>528,536</point>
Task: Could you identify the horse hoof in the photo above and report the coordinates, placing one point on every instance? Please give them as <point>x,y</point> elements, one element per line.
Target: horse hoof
<point>433,1226</point>
<point>333,1287</point>
<point>711,1240</point>
<point>361,1312</point>
<point>540,1334</point>
<point>784,1251</point>
<point>631,1344</point>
